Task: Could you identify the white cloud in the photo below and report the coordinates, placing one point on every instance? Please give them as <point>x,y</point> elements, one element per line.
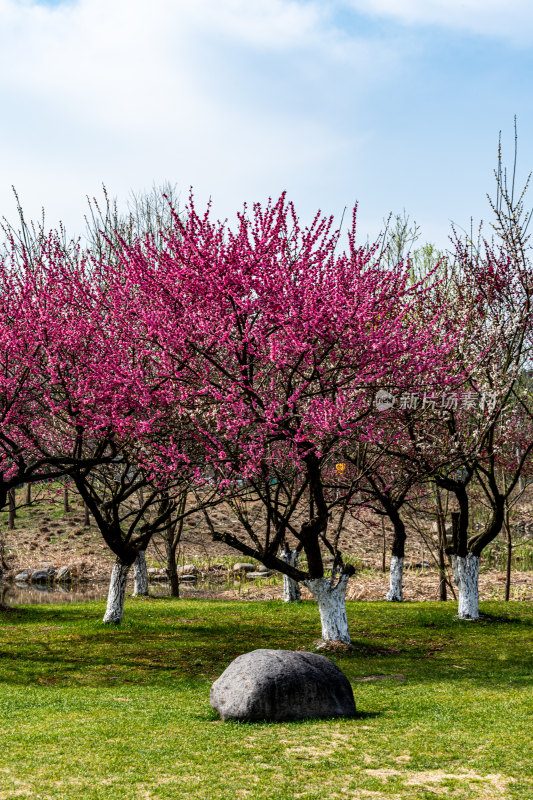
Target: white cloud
<point>233,97</point>
<point>509,19</point>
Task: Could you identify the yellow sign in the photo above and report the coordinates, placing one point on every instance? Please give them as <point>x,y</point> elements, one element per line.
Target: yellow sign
<point>340,468</point>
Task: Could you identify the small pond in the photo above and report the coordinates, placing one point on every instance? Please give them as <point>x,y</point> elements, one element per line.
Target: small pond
<point>22,593</point>
<point>29,593</point>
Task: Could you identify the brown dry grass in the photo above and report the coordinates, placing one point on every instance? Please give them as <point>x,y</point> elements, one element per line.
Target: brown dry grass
<point>44,535</point>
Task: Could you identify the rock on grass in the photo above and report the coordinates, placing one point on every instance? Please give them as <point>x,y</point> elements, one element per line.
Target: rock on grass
<point>280,685</point>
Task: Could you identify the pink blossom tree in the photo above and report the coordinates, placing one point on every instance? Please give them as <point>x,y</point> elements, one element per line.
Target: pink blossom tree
<point>27,430</point>
<point>479,438</point>
<point>274,342</point>
<point>76,393</point>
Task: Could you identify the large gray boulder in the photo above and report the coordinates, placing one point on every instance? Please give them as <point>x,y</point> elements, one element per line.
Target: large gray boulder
<point>279,685</point>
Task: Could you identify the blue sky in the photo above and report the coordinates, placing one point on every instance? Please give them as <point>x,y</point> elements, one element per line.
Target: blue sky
<point>396,104</point>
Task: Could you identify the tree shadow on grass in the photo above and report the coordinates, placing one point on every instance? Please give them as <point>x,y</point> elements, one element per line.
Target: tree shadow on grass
<point>487,618</point>
<point>212,716</point>
<point>69,645</point>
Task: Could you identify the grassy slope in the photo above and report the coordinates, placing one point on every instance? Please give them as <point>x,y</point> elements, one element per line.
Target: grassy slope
<point>92,712</point>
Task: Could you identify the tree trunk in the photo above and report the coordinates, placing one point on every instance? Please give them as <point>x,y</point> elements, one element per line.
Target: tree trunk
<point>172,568</point>
<point>11,510</point>
<point>384,550</point>
<point>140,575</point>
<point>2,566</point>
<point>395,593</point>
<point>291,588</point>
<point>309,536</point>
<point>441,527</point>
<point>28,494</point>
<point>331,601</point>
<point>66,504</point>
<point>443,595</point>
<point>466,575</point>
<point>508,566</point>
<point>117,592</point>
<point>87,516</point>
<point>509,561</point>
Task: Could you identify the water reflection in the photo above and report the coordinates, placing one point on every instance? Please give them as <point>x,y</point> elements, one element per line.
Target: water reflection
<point>21,593</point>
<point>31,593</point>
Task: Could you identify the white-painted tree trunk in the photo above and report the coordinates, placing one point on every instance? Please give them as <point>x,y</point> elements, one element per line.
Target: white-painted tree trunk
<point>395,593</point>
<point>291,588</point>
<point>117,592</point>
<point>466,576</point>
<point>140,575</point>
<point>331,599</point>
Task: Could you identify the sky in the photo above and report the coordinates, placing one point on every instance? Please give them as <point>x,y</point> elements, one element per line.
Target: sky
<point>393,104</point>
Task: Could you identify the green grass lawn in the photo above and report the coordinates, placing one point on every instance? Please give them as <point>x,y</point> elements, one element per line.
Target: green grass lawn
<point>91,712</point>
